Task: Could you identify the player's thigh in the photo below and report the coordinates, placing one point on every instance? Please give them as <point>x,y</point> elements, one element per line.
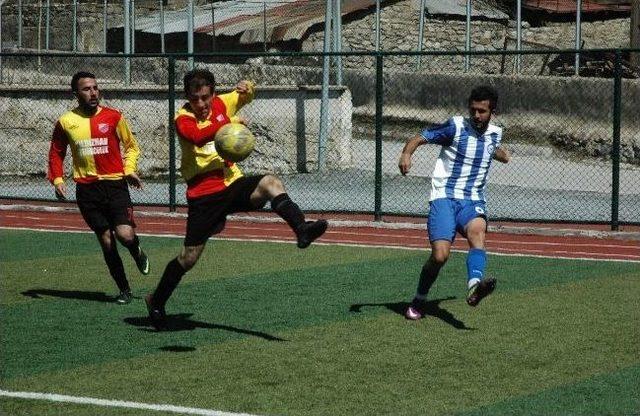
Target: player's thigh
<point>93,206</point>
<point>441,224</point>
<point>471,219</point>
<point>206,216</point>
<point>267,187</point>
<point>120,205</point>
<point>248,194</point>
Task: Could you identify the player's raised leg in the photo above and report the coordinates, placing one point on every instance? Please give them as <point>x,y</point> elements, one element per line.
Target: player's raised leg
<point>479,286</point>
<point>271,188</point>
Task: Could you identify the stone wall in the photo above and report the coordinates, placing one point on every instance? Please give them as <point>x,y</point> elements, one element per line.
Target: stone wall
<point>284,120</point>
<point>400,32</point>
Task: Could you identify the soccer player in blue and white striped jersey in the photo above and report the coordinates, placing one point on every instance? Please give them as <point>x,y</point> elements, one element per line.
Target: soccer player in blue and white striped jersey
<point>457,203</point>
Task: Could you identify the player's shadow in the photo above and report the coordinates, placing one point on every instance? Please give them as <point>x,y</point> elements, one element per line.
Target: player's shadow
<point>432,308</point>
<point>69,294</point>
<point>181,322</point>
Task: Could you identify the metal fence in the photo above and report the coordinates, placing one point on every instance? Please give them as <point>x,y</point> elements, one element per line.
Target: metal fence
<point>575,140</point>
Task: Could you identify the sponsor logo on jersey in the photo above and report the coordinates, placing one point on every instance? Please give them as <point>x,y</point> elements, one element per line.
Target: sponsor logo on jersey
<point>93,146</point>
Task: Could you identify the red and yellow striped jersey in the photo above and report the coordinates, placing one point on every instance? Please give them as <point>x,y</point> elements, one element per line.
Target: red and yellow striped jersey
<point>202,168</point>
<point>95,146</point>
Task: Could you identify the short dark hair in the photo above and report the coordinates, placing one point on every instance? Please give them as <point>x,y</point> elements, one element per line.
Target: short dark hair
<point>484,92</point>
<point>77,76</point>
<point>198,78</point>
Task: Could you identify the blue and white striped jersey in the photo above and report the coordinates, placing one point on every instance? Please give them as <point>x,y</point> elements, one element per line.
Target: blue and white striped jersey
<point>462,167</point>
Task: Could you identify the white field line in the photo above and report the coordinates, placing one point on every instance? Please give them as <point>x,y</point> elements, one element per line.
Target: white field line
<point>116,403</point>
<point>352,243</point>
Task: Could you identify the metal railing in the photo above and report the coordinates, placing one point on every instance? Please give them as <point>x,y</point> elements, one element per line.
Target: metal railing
<point>574,140</point>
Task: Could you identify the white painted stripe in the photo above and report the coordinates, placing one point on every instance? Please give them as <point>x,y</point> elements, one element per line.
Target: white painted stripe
<point>350,243</point>
<point>116,403</point>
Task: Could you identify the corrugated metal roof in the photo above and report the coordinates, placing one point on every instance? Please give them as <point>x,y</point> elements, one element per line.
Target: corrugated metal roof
<point>569,6</point>
<point>285,19</point>
<point>459,8</point>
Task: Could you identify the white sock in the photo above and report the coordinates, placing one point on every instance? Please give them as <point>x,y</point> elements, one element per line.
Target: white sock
<point>472,282</point>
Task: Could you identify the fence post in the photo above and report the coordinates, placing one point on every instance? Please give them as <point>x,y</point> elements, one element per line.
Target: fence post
<point>615,147</point>
<point>172,134</point>
<point>74,35</point>
<point>47,20</point>
<point>377,210</point>
<point>19,23</point>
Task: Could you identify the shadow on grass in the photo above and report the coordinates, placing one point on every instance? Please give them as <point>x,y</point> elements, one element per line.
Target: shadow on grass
<point>432,309</point>
<point>177,348</point>
<point>69,294</point>
<point>181,322</point>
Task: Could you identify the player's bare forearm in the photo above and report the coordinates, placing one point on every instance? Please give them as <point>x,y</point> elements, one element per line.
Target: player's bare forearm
<point>502,155</point>
<point>404,164</point>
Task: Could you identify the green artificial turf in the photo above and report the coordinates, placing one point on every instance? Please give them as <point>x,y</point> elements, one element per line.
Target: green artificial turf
<point>266,328</point>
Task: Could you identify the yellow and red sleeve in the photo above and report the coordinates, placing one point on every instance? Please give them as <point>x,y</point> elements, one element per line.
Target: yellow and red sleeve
<point>130,145</point>
<point>187,127</point>
<point>57,153</point>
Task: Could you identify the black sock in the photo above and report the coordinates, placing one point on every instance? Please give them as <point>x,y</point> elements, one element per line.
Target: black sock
<point>133,247</point>
<point>428,276</point>
<point>288,210</point>
<point>116,269</point>
<point>168,282</point>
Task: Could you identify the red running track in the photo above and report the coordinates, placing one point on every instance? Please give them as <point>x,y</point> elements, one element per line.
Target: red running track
<point>410,238</point>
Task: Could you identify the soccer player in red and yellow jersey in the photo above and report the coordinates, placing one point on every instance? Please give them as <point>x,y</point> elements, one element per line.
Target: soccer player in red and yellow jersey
<point>216,187</point>
<point>95,133</point>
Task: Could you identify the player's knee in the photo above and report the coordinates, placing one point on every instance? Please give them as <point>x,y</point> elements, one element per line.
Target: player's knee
<point>272,184</point>
<point>187,260</point>
<point>440,257</point>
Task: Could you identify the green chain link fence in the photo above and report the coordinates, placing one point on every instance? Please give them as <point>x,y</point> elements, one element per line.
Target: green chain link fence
<point>575,140</point>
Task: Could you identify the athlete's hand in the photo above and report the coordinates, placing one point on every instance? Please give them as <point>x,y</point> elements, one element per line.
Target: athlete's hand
<point>61,191</point>
<point>404,163</point>
<point>243,87</point>
<point>134,180</point>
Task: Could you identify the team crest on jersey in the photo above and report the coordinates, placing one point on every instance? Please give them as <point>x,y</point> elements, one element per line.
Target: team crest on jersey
<point>103,127</point>
<point>490,148</point>
<point>479,210</point>
<point>220,117</point>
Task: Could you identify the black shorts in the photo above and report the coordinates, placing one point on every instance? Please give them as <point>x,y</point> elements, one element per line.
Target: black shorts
<point>208,214</point>
<point>105,204</point>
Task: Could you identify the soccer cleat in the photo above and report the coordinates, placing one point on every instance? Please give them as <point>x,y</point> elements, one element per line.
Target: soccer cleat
<point>157,315</point>
<point>143,263</point>
<point>310,231</point>
<point>480,290</point>
<point>415,310</point>
<point>124,297</point>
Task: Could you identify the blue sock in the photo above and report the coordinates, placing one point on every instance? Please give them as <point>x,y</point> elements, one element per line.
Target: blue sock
<point>476,263</point>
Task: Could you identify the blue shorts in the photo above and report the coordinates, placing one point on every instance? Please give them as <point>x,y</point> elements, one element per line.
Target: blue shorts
<point>448,215</point>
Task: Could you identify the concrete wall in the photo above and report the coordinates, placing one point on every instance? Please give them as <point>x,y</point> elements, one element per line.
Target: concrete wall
<point>284,120</point>
<point>574,114</point>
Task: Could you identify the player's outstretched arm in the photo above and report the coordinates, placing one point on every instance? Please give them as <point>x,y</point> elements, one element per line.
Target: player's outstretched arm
<point>502,155</point>
<point>404,164</point>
